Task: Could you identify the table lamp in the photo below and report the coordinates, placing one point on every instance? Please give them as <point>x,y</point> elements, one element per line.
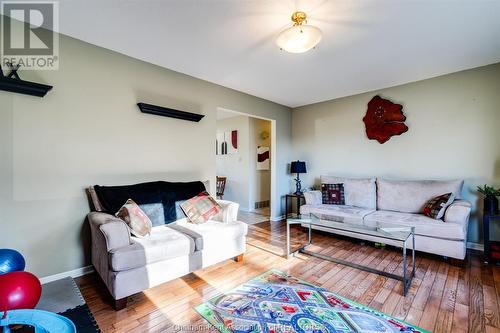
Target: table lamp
<point>298,167</point>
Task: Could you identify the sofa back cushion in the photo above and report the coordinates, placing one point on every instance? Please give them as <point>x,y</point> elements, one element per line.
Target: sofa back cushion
<point>158,200</point>
<point>410,196</point>
<point>358,192</point>
<point>155,212</point>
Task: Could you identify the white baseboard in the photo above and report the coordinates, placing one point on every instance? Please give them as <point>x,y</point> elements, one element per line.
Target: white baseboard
<point>74,274</point>
<point>277,218</point>
<point>475,246</point>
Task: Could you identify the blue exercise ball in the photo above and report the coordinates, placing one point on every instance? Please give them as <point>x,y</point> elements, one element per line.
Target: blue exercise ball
<point>11,261</point>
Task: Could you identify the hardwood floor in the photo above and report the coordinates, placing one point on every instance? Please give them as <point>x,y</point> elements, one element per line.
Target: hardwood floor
<point>442,297</point>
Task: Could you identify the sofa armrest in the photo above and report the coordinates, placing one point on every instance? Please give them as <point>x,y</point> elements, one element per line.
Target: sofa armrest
<point>116,232</point>
<point>313,197</point>
<point>127,257</point>
<point>229,212</point>
<point>458,212</point>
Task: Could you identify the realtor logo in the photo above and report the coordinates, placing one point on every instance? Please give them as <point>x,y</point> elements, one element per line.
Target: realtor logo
<point>28,39</point>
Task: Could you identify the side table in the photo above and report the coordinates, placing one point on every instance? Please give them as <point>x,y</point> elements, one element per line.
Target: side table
<point>289,198</point>
<point>491,248</point>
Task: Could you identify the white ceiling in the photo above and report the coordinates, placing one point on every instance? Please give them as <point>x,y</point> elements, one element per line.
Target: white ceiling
<point>367,44</point>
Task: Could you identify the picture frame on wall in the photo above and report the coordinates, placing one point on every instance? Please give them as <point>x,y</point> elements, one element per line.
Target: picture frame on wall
<point>263,162</point>
<point>226,143</point>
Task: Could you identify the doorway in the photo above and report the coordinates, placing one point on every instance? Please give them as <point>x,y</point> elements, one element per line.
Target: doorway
<point>244,161</point>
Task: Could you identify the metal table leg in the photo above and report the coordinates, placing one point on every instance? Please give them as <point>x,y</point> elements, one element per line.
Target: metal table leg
<point>287,240</point>
<point>310,234</point>
<point>298,205</point>
<point>413,253</point>
<point>405,286</point>
<point>407,279</point>
<point>286,207</point>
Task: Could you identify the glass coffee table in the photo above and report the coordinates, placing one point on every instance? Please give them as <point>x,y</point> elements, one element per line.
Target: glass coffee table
<point>392,233</point>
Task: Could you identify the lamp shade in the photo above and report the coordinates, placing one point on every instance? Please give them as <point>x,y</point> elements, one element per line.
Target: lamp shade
<point>298,167</point>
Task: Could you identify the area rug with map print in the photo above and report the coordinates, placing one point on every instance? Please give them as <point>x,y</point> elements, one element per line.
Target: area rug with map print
<point>275,302</point>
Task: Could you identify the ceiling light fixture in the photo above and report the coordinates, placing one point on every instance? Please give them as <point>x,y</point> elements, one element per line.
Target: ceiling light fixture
<point>301,37</point>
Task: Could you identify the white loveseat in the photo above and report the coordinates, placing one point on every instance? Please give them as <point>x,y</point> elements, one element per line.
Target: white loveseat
<point>129,265</point>
<point>371,202</point>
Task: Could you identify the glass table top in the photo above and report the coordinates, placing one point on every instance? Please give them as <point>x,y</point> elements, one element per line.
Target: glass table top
<point>384,230</point>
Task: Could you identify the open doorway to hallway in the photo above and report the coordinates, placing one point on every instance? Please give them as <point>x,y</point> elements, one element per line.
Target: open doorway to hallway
<point>243,163</point>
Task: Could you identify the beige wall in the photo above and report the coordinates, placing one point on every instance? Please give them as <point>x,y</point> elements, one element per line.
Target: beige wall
<point>245,184</point>
<point>236,167</point>
<point>454,132</point>
<point>88,130</point>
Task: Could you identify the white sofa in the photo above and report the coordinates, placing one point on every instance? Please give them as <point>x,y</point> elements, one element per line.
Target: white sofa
<point>371,202</point>
<point>129,265</point>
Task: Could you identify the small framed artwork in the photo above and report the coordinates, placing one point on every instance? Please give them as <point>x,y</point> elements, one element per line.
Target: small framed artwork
<point>226,143</point>
<point>263,158</point>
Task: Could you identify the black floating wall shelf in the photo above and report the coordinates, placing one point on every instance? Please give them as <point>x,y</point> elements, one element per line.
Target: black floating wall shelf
<point>13,83</point>
<point>167,112</point>
<point>24,87</point>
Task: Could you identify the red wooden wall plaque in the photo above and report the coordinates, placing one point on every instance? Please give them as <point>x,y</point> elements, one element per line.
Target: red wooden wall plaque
<point>384,119</point>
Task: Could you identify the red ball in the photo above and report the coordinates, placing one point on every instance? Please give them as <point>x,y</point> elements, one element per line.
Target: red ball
<point>19,290</point>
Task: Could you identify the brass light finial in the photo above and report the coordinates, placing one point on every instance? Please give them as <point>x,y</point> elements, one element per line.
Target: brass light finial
<point>298,18</point>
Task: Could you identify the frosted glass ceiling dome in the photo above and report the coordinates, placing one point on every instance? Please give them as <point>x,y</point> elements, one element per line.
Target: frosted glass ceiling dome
<point>301,37</point>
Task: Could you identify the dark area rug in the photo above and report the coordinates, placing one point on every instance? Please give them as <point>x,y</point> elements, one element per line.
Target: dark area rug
<point>82,318</point>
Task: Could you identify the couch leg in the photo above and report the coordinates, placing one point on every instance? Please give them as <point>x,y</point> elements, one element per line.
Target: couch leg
<point>238,258</point>
<point>120,304</point>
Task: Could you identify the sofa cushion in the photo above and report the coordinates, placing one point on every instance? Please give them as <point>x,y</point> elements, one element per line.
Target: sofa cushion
<point>163,243</point>
<point>155,213</point>
<point>410,196</point>
<point>346,214</point>
<point>313,197</point>
<point>200,208</point>
<point>179,213</point>
<point>138,222</point>
<point>211,233</point>
<point>424,226</point>
<point>436,207</point>
<point>358,192</point>
<point>332,194</point>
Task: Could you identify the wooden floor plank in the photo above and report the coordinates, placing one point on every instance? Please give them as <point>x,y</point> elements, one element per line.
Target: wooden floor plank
<point>460,318</point>
<point>490,306</point>
<point>431,310</point>
<point>444,320</point>
<point>476,300</point>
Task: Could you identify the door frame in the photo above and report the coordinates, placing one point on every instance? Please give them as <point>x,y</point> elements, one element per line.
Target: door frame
<point>272,155</point>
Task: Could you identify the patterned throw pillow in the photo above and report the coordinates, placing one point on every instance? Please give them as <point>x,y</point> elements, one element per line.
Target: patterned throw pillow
<point>200,208</point>
<point>436,207</point>
<point>139,223</point>
<point>332,194</point>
